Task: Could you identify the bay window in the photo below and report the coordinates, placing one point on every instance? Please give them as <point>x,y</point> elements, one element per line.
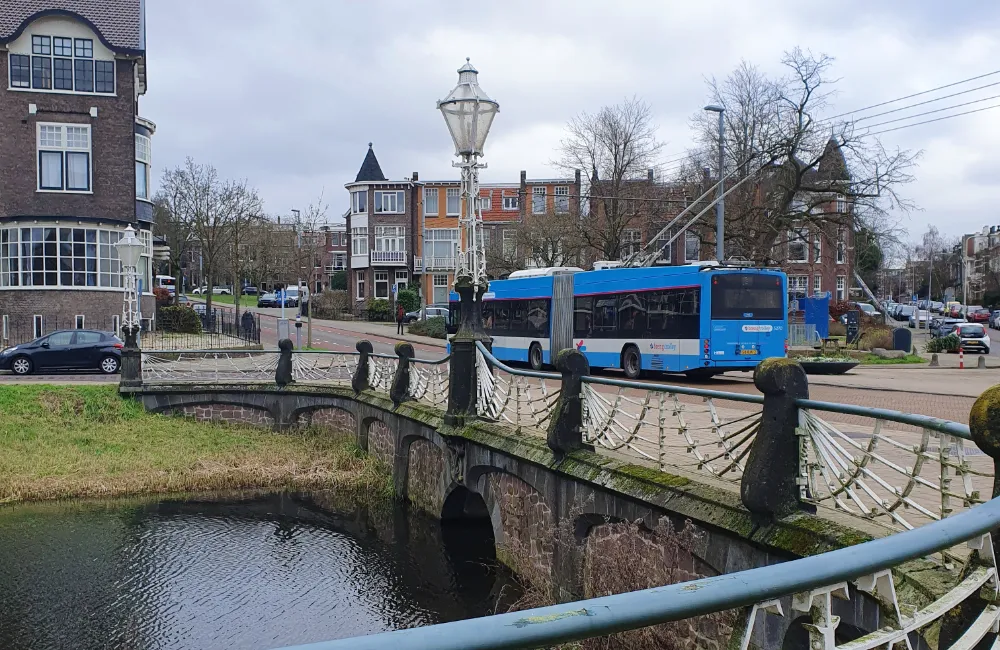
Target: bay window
<point>390,238</point>
<point>390,202</point>
<point>453,202</point>
<point>359,202</point>
<point>142,159</point>
<point>64,157</point>
<point>60,257</point>
<point>359,241</point>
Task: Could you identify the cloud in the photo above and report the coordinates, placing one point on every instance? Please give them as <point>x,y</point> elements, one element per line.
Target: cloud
<point>288,95</point>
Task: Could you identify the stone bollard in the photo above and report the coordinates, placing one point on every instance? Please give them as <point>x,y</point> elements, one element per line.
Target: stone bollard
<point>131,369</point>
<point>283,373</point>
<point>769,488</point>
<point>934,361</point>
<point>566,426</point>
<point>400,390</point>
<point>359,382</point>
<point>981,362</point>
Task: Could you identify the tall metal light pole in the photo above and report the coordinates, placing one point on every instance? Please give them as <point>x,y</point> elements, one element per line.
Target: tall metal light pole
<point>720,201</point>
<point>469,113</point>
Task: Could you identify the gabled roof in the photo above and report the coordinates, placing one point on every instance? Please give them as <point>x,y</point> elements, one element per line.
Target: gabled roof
<point>370,169</point>
<point>119,23</point>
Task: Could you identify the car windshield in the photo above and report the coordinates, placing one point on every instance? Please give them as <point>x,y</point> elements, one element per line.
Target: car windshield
<point>971,331</point>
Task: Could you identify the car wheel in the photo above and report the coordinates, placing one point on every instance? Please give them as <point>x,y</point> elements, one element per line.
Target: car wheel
<point>21,366</point>
<point>535,356</point>
<point>632,362</point>
<point>109,365</point>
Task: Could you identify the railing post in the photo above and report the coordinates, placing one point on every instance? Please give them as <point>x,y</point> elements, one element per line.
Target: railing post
<point>984,424</point>
<point>565,432</point>
<point>283,375</point>
<point>462,383</point>
<point>769,486</point>
<point>359,382</point>
<point>131,370</point>
<point>400,391</point>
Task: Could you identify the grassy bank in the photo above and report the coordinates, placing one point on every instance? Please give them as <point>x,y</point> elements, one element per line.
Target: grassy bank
<point>85,441</point>
<point>872,360</point>
<point>245,301</point>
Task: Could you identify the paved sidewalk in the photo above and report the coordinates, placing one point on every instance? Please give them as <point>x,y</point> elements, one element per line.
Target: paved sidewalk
<point>379,329</point>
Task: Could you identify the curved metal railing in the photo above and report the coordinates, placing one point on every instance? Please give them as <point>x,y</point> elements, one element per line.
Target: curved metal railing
<point>809,582</point>
<point>525,399</point>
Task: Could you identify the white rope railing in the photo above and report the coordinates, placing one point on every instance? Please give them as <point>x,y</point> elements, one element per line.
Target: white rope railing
<point>658,426</point>
<point>429,382</point>
<point>380,373</point>
<point>520,400</point>
<point>899,479</point>
<point>207,366</point>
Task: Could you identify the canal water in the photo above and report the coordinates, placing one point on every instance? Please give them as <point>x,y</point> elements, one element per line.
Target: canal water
<point>246,571</point>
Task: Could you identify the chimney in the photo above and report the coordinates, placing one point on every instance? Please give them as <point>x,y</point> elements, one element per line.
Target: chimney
<point>649,174</point>
<point>416,177</point>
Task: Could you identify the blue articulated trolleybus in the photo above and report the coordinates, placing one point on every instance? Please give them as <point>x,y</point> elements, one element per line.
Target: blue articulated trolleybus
<point>698,319</point>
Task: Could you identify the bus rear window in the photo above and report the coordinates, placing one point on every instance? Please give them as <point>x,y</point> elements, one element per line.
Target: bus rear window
<point>746,296</point>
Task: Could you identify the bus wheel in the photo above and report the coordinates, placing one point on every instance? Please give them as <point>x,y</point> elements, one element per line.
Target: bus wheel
<point>535,356</point>
<point>632,362</point>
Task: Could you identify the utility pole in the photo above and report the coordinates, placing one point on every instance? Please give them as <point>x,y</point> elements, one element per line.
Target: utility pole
<point>720,201</point>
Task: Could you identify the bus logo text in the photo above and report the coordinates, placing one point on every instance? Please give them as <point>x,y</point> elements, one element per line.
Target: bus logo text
<point>757,328</point>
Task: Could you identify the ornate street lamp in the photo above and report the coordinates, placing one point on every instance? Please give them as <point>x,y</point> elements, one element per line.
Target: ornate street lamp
<point>129,251</point>
<point>468,112</point>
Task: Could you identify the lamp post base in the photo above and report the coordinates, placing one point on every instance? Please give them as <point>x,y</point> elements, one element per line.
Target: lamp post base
<point>463,382</point>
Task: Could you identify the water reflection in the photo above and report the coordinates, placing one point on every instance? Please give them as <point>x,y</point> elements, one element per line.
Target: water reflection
<point>256,572</point>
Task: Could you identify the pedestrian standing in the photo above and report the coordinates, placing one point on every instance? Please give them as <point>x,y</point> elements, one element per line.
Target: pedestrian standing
<point>400,315</point>
<point>303,299</point>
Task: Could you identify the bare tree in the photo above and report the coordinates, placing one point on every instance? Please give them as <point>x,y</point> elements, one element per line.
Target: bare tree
<point>175,230</point>
<point>243,210</point>
<point>798,168</point>
<point>552,239</point>
<point>618,146</point>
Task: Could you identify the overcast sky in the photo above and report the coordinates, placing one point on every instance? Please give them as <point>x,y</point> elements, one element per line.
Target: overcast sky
<point>288,93</point>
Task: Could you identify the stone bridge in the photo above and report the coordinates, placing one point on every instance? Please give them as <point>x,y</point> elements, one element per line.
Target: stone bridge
<point>577,523</point>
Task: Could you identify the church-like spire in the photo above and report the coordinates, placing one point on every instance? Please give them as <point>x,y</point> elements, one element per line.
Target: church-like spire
<point>370,169</point>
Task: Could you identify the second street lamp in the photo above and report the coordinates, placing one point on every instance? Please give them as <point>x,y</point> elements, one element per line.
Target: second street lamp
<point>129,253</point>
<point>468,112</point>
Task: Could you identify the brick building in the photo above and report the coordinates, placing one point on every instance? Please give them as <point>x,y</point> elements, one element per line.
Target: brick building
<point>74,161</point>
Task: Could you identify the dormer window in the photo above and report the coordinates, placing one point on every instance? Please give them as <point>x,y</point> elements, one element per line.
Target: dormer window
<point>62,64</point>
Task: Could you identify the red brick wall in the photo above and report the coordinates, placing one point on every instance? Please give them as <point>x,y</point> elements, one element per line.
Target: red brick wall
<point>113,146</point>
<point>59,307</point>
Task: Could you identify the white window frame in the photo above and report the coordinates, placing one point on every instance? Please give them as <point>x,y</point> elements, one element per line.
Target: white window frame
<point>798,285</point>
<point>390,202</point>
<point>431,195</point>
<point>690,239</point>
<point>452,193</point>
<point>798,237</point>
<point>631,242</point>
<point>439,281</point>
<point>817,284</point>
<point>359,240</point>
<point>402,276</point>
<point>38,326</point>
<point>390,239</point>
<point>359,284</point>
<point>841,287</point>
<point>536,207</point>
<point>116,323</point>
<point>511,202</point>
<point>842,205</point>
<point>80,322</point>
<point>5,333</point>
<point>143,160</point>
<point>63,148</point>
<point>485,203</point>
<point>561,199</point>
<point>841,247</point>
<point>817,247</point>
<point>359,202</point>
<point>509,242</point>
<point>383,278</point>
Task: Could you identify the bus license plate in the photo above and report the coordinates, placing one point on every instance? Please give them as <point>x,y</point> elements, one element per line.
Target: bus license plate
<point>746,351</point>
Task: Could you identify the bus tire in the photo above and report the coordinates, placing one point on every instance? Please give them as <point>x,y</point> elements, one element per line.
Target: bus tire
<point>535,356</point>
<point>632,362</point>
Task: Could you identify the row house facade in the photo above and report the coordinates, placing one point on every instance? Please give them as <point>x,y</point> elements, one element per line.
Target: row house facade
<point>75,160</point>
<point>405,234</point>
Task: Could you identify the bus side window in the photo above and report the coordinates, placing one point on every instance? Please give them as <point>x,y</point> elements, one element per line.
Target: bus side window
<point>632,314</point>
<point>487,316</point>
<point>606,313</point>
<point>655,313</point>
<point>538,318</point>
<point>583,316</point>
<point>519,318</point>
<point>502,316</point>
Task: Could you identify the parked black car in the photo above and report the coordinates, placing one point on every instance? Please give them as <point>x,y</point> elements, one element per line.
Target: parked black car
<point>64,350</point>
